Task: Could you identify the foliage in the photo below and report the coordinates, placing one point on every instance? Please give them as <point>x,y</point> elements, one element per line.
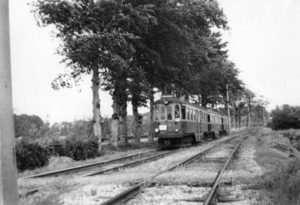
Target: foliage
<point>74,148</point>
<point>283,182</point>
<point>27,125</point>
<point>286,117</point>
<point>170,46</point>
<point>30,155</point>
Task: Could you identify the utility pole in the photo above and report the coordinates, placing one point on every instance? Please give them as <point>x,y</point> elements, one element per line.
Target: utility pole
<point>228,110</point>
<point>263,115</point>
<point>8,172</point>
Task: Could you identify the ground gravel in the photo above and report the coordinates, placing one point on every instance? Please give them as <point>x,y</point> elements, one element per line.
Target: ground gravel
<point>169,188</point>
<point>100,188</point>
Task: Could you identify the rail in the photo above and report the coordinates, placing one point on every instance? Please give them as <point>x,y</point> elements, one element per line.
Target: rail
<point>130,193</point>
<point>212,196</point>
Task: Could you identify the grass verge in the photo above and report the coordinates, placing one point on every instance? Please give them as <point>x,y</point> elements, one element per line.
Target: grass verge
<point>281,181</point>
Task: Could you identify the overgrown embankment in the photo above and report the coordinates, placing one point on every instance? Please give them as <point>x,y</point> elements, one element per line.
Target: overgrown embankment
<point>280,184</point>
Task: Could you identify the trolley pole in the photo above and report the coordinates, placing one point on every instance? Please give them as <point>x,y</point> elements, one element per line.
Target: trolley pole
<point>228,109</point>
<point>8,172</point>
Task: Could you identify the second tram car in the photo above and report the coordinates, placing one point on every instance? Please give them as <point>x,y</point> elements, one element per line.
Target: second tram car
<point>178,122</point>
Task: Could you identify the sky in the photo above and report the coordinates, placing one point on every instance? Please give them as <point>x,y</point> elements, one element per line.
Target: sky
<point>263,42</point>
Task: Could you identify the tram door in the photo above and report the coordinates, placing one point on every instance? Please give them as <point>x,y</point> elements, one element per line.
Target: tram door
<point>197,120</point>
<point>208,123</point>
<point>222,124</point>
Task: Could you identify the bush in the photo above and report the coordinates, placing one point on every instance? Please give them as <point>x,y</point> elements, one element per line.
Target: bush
<point>283,183</point>
<point>286,117</point>
<point>74,148</point>
<point>31,155</point>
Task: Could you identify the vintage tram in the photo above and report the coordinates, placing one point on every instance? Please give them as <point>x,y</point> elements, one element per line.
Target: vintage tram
<point>177,122</point>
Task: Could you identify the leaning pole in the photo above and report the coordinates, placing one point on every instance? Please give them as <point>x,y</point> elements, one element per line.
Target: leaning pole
<point>8,171</point>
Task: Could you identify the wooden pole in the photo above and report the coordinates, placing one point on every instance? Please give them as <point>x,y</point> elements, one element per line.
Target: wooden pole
<point>8,171</point>
<point>263,115</point>
<point>228,109</point>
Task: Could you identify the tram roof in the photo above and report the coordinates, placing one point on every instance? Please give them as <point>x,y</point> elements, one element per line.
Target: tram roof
<point>177,100</point>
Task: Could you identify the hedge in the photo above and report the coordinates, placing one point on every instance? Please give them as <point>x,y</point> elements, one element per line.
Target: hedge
<point>31,155</point>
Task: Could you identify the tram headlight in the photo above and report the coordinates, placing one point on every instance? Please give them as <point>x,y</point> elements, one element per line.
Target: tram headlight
<point>156,130</point>
<point>166,102</point>
<point>177,119</point>
<point>176,130</point>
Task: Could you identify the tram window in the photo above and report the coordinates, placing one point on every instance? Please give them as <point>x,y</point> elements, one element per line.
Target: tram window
<point>197,115</point>
<point>157,113</point>
<point>183,113</point>
<point>162,113</point>
<point>187,113</point>
<point>169,112</point>
<point>194,113</point>
<point>208,118</point>
<point>176,111</point>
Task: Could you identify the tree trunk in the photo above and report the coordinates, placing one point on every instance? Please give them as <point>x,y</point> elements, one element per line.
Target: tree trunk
<point>150,137</point>
<point>115,120</point>
<point>123,120</point>
<point>248,115</point>
<point>97,119</point>
<point>239,117</point>
<point>204,100</point>
<point>263,116</point>
<point>236,117</point>
<point>136,125</point>
<point>233,114</point>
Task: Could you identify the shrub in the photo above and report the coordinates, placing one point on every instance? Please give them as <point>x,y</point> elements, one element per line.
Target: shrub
<point>286,117</point>
<point>283,183</point>
<point>30,155</point>
<point>77,149</point>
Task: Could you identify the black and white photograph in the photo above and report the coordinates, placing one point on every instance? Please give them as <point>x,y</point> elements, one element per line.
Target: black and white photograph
<point>149,102</point>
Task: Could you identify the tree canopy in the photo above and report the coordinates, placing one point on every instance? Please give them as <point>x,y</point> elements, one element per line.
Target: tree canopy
<point>134,46</point>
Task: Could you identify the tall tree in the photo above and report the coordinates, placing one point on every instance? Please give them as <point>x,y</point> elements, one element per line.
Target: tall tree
<point>96,37</point>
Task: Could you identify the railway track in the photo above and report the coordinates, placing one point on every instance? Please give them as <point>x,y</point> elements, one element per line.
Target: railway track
<point>97,165</point>
<point>98,168</point>
<point>104,166</point>
<point>89,166</point>
<point>128,194</point>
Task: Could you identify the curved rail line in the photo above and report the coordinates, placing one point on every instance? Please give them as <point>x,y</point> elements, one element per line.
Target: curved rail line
<point>115,168</point>
<point>130,193</point>
<point>91,165</point>
<point>86,166</point>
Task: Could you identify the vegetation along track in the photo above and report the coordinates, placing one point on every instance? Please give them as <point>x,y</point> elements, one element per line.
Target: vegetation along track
<point>91,165</point>
<point>130,193</point>
<point>105,166</point>
<point>110,165</point>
